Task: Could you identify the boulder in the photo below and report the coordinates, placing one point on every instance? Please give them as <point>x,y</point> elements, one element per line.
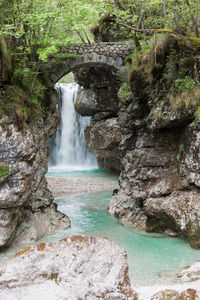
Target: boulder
<point>126,209</point>
<point>78,267</point>
<point>86,103</point>
<point>189,294</point>
<point>180,212</point>
<point>102,139</point>
<point>189,273</point>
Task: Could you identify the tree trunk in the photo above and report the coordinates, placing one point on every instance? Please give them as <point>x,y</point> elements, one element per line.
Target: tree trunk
<point>6,68</point>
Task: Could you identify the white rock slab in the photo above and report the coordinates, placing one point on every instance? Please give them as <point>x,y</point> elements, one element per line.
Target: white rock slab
<point>78,267</point>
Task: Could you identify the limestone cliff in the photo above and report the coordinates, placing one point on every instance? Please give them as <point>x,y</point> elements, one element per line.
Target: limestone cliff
<point>153,138</point>
<point>26,205</point>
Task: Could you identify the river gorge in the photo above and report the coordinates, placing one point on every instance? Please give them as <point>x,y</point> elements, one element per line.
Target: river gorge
<point>108,166</point>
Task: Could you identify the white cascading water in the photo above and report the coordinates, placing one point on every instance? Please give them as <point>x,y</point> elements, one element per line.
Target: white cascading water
<point>68,151</point>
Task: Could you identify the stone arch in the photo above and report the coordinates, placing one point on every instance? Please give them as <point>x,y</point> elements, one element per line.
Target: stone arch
<point>102,55</point>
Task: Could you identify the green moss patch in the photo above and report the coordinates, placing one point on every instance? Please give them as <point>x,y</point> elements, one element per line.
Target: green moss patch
<point>4,169</point>
<point>19,105</point>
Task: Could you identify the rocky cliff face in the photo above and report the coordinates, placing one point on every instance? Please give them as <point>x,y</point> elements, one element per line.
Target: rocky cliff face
<point>26,208</point>
<point>153,139</point>
<point>159,186</point>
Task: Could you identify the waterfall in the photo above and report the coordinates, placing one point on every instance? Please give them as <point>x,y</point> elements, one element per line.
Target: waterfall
<point>68,151</point>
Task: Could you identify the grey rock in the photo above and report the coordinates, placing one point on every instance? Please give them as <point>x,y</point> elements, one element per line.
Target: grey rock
<point>102,139</point>
<point>86,103</point>
<point>9,219</point>
<point>126,209</point>
<point>26,208</point>
<point>180,212</point>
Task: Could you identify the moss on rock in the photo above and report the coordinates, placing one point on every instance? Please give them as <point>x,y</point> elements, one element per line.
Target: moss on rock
<point>4,169</point>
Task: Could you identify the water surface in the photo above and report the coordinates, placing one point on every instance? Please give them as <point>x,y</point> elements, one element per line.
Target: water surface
<point>148,254</point>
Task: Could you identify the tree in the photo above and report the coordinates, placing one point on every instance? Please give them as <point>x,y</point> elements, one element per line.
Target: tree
<point>180,18</point>
<point>33,29</point>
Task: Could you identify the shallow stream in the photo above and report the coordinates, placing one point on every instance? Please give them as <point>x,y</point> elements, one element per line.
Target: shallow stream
<point>148,254</point>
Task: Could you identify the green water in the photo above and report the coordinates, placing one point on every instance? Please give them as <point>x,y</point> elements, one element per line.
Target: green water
<point>60,173</point>
<point>148,254</point>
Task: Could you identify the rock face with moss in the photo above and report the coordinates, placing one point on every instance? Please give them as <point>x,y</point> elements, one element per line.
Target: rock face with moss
<point>26,206</point>
<point>156,142</point>
<point>77,267</point>
<point>159,154</point>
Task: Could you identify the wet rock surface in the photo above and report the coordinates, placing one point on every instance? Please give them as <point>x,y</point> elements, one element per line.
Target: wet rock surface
<point>77,267</point>
<point>178,212</point>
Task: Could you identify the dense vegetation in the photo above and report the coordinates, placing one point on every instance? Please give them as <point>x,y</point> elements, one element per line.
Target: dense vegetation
<point>32,29</point>
<point>164,68</point>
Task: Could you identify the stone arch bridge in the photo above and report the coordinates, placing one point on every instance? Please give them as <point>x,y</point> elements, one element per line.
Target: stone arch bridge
<point>104,54</point>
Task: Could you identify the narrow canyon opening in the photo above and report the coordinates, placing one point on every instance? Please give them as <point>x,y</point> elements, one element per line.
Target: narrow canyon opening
<point>82,191</point>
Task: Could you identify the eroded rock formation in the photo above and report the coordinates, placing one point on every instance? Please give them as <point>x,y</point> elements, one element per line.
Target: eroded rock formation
<point>154,140</point>
<point>26,205</point>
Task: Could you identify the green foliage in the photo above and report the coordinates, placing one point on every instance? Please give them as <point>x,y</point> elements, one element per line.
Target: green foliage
<point>54,276</point>
<point>20,106</point>
<point>197,113</point>
<point>165,117</point>
<point>181,148</point>
<point>4,124</point>
<point>125,94</point>
<point>42,159</point>
<point>68,78</point>
<point>39,27</point>
<point>143,18</point>
<point>186,83</point>
<point>4,169</point>
<point>96,97</point>
<point>30,31</point>
<point>132,159</point>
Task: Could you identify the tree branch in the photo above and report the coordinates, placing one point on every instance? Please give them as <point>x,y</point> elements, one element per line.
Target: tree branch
<point>193,40</point>
<point>87,36</point>
<point>80,36</point>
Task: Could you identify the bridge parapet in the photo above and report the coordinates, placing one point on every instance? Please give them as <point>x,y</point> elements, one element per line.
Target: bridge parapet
<point>104,48</point>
